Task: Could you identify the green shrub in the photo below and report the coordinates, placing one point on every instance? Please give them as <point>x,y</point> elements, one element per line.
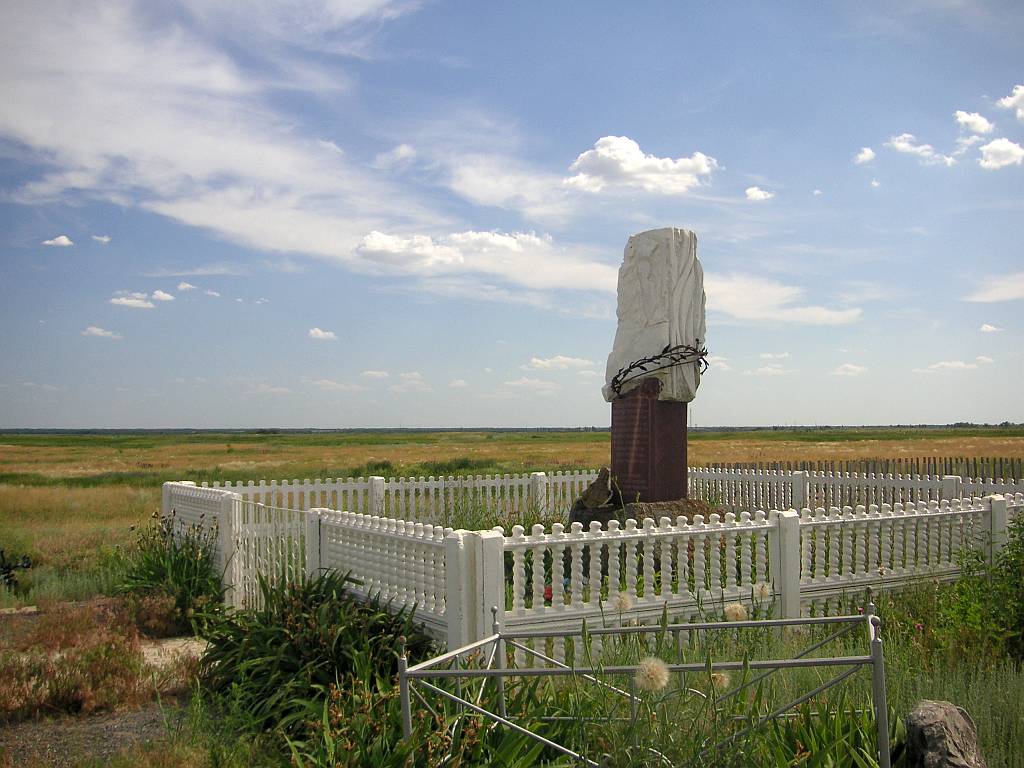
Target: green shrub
<point>275,660</point>
<point>175,570</point>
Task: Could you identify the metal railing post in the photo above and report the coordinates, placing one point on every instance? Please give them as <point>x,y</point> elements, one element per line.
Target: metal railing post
<point>878,689</point>
<point>403,691</point>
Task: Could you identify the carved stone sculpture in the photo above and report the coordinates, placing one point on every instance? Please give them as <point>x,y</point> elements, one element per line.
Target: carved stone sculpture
<point>661,306</point>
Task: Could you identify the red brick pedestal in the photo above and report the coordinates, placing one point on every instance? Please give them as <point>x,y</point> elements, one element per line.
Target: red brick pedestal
<point>649,445</point>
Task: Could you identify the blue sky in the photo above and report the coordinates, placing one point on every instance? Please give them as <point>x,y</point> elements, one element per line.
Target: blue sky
<point>374,213</point>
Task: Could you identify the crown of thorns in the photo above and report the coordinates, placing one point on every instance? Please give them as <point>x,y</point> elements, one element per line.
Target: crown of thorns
<point>669,357</point>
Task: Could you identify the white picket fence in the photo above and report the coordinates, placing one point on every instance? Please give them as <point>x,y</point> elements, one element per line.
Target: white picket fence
<point>796,561</point>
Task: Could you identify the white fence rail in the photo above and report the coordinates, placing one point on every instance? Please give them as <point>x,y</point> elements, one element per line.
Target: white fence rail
<point>546,579</point>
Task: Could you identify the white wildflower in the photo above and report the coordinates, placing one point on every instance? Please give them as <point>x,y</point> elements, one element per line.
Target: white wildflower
<point>735,612</point>
<point>651,674</point>
<point>720,680</point>
<point>623,602</point>
<point>762,591</point>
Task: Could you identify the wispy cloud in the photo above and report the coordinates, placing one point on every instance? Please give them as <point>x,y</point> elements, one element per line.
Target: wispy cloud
<point>538,386</point>
<point>956,365</point>
<point>60,241</point>
<point>849,369</point>
<point>756,299</point>
<point>986,328</point>
<point>101,239</point>
<point>375,374</point>
<point>717,362</point>
<point>1002,288</point>
<point>102,333</point>
<point>411,381</point>
<point>329,385</point>
<point>556,363</point>
<point>134,300</point>
<point>321,335</point>
<point>458,383</point>
<point>773,369</point>
<point>774,355</point>
<point>183,286</point>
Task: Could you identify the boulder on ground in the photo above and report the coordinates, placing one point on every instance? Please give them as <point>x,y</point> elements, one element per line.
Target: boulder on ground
<point>941,735</point>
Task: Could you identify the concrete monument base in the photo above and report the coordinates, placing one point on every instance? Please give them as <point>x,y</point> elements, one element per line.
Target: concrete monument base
<point>649,445</point>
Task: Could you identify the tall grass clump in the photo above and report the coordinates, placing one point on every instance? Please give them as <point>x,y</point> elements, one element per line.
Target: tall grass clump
<point>172,577</point>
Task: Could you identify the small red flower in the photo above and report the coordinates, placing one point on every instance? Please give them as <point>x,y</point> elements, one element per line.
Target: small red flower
<point>547,592</point>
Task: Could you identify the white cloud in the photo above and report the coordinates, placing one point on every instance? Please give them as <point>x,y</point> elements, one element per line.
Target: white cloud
<point>757,194</point>
<point>521,258</point>
<point>986,328</point>
<point>849,369</point>
<point>817,193</point>
<point>159,295</point>
<point>956,365</point>
<point>875,183</point>
<point>400,155</point>
<point>135,300</point>
<point>262,388</point>
<point>925,153</point>
<point>768,370</point>
<point>502,182</point>
<point>587,374</point>
<point>95,330</point>
<point>618,161</point>
<point>774,355</point>
<point>214,294</point>
<point>411,381</point>
<point>61,241</point>
<point>755,299</point>
<point>719,363</point>
<point>556,363</point>
<point>1001,153</point>
<point>375,374</point>
<point>1014,101</point>
<point>534,385</point>
<point>329,385</point>
<point>458,383</point>
<point>322,335</point>
<point>101,239</point>
<point>964,143</point>
<point>43,387</point>
<point>973,122</point>
<point>866,155</point>
<point>1003,288</point>
<point>183,286</point>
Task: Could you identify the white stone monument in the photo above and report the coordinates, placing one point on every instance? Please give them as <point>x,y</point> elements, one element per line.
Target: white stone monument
<point>661,306</point>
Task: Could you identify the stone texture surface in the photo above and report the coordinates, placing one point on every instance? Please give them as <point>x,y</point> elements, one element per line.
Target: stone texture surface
<point>660,304</point>
<point>941,735</point>
<point>658,509</point>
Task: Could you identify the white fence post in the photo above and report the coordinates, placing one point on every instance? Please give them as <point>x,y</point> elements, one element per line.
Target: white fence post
<point>375,498</point>
<point>997,521</point>
<point>952,487</point>
<point>784,551</point>
<point>312,543</point>
<point>799,480</point>
<point>474,582</point>
<point>165,501</point>
<point>539,492</point>
<point>459,567</point>
<point>491,580</point>
<point>226,545</point>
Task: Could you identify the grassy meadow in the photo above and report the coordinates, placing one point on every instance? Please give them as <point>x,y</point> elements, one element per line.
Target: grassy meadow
<point>67,500</point>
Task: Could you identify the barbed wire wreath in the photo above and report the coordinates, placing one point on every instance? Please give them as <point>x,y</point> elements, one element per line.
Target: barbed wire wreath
<point>669,357</point>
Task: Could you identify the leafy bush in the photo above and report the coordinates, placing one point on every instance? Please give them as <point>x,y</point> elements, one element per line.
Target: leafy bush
<point>172,578</point>
<point>275,660</point>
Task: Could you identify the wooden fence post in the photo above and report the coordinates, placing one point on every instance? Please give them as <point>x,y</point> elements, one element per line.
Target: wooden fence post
<point>539,492</point>
<point>375,502</point>
<point>997,522</point>
<point>312,543</point>
<point>800,481</point>
<point>952,487</point>
<point>784,551</point>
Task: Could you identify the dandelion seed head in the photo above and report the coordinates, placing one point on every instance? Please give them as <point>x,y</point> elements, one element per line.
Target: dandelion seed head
<point>623,602</point>
<point>735,612</point>
<point>720,680</point>
<point>651,674</point>
<point>762,591</point>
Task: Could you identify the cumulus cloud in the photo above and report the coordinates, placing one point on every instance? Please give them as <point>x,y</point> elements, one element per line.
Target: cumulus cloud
<point>866,155</point>
<point>183,286</point>
<point>321,335</point>
<point>1000,153</point>
<point>973,122</point>
<point>134,300</point>
<point>986,328</point>
<point>60,241</point>
<point>1003,288</point>
<point>101,239</point>
<point>618,161</point>
<point>757,194</point>
<point>95,330</point>
<point>817,193</point>
<point>1014,101</point>
<point>159,295</point>
<point>458,383</point>
<point>400,155</point>
<point>925,153</point>
<point>756,299</point>
<point>556,363</point>
<point>849,369</point>
<point>521,258</point>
